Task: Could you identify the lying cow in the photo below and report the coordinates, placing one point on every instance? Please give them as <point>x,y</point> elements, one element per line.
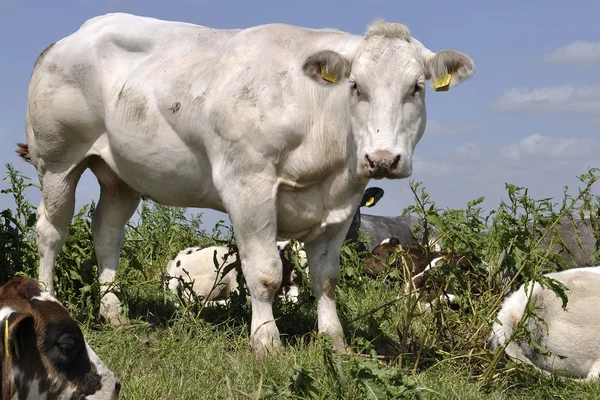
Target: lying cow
<point>374,228</point>
<point>573,232</point>
<point>405,228</point>
<point>280,126</point>
<point>197,265</point>
<point>571,335</point>
<point>44,354</point>
<point>371,196</point>
<point>573,242</point>
<point>413,267</point>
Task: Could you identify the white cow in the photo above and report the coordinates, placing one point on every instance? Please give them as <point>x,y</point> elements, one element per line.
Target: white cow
<point>280,126</point>
<point>571,335</point>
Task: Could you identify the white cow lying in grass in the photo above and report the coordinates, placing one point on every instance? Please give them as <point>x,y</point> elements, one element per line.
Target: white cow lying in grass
<point>197,265</point>
<point>573,333</point>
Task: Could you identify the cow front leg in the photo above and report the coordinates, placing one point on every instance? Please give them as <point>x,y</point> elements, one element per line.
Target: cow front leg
<point>262,271</point>
<point>251,206</point>
<point>323,256</point>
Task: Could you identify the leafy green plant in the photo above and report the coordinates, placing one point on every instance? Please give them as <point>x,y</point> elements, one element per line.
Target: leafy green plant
<point>401,343</point>
<point>18,252</point>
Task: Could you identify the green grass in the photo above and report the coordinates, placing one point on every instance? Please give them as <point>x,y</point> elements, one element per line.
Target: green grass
<point>402,348</point>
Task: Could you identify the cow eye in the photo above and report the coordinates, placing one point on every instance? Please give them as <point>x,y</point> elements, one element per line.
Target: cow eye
<point>417,89</point>
<point>354,88</point>
<point>67,345</point>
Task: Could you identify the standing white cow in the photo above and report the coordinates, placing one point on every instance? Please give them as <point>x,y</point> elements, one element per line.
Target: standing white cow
<point>280,126</point>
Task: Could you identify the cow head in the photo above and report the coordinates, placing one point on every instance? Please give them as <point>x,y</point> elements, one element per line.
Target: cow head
<point>371,196</point>
<point>385,77</point>
<point>414,256</point>
<point>44,353</point>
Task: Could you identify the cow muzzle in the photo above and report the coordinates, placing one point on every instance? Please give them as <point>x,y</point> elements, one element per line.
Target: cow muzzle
<point>382,164</point>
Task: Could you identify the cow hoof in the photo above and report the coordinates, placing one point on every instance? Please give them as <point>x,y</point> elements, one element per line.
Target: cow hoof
<point>267,347</point>
<point>261,352</point>
<point>111,311</point>
<point>115,320</point>
<point>339,345</point>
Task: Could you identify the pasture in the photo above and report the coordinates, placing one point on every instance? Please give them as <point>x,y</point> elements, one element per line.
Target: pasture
<point>403,348</point>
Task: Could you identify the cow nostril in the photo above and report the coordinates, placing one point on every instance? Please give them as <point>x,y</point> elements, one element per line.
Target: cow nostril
<point>117,387</point>
<point>395,163</point>
<point>369,162</point>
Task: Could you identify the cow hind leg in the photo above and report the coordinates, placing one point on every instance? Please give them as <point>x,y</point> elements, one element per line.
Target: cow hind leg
<point>54,215</point>
<point>118,201</point>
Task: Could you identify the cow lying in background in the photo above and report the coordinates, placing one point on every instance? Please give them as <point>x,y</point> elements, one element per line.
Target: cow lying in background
<point>44,354</point>
<point>571,335</point>
<point>572,254</point>
<point>403,227</point>
<point>412,261</point>
<point>371,196</point>
<point>197,265</point>
<point>376,228</point>
<point>563,242</point>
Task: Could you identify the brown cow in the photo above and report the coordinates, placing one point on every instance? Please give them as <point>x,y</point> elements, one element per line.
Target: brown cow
<point>413,261</point>
<point>43,352</point>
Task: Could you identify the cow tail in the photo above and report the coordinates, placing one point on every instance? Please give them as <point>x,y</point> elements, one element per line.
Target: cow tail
<point>23,152</point>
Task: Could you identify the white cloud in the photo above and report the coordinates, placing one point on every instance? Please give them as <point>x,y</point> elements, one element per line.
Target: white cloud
<point>455,161</point>
<point>534,155</point>
<point>557,99</point>
<point>442,129</point>
<point>578,53</point>
<point>540,147</point>
<point>468,150</point>
<point>464,172</point>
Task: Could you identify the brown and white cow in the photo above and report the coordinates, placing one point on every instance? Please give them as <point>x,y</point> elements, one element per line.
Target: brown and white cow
<point>413,267</point>
<point>43,352</point>
<point>280,126</point>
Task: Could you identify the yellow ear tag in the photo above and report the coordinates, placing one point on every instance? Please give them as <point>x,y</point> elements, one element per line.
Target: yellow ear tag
<point>370,202</point>
<point>6,349</point>
<point>6,341</point>
<point>327,76</point>
<point>442,84</point>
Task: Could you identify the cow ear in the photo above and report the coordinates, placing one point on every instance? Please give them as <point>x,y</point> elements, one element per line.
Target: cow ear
<point>17,328</point>
<point>419,280</point>
<point>394,241</point>
<point>371,196</point>
<point>326,67</point>
<point>448,68</point>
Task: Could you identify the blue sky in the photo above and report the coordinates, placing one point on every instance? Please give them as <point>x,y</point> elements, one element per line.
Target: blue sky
<point>529,116</point>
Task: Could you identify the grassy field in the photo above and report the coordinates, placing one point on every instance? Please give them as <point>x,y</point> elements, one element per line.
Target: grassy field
<point>402,348</point>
